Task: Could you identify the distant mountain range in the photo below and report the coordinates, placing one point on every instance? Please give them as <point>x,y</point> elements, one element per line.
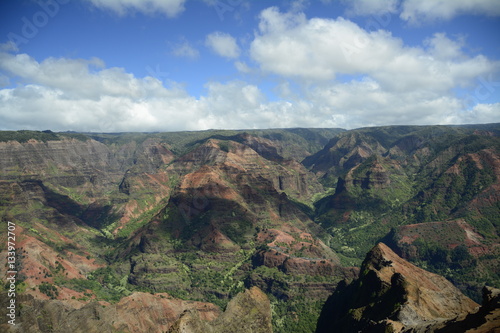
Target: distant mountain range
<point>254,231</point>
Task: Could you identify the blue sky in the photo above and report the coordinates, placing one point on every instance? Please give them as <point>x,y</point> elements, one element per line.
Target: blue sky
<point>167,65</point>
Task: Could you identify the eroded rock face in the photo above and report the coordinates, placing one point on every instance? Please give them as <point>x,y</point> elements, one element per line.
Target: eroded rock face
<point>392,293</point>
<point>284,175</point>
<point>139,312</point>
<point>343,153</point>
<point>485,320</point>
<point>248,312</point>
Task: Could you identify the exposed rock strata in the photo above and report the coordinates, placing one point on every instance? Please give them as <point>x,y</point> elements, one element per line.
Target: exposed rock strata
<point>249,311</point>
<point>137,313</point>
<point>392,294</point>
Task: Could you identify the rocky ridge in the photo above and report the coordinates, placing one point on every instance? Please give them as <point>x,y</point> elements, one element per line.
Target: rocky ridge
<point>142,312</point>
<point>206,215</point>
<point>393,294</point>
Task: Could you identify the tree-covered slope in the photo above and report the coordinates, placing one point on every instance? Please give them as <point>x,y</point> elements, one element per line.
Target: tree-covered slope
<point>205,215</point>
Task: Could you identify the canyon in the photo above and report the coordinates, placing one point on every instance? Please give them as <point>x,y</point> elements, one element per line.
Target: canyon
<point>255,230</point>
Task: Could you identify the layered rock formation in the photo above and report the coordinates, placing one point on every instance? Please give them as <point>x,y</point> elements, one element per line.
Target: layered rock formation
<point>249,311</point>
<point>139,312</point>
<point>204,215</point>
<point>485,320</point>
<point>393,294</point>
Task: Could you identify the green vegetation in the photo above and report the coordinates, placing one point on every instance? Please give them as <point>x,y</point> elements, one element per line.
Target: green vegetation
<point>299,315</point>
<point>104,283</point>
<point>49,290</point>
<point>43,136</point>
<point>199,246</point>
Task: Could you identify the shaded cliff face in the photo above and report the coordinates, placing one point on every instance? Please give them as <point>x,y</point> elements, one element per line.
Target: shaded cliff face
<point>85,180</point>
<point>414,175</point>
<point>342,153</point>
<point>285,175</point>
<point>229,203</point>
<point>205,215</point>
<point>391,293</point>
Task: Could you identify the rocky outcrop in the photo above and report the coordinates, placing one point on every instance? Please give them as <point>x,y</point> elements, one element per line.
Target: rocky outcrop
<point>343,153</point>
<point>248,312</point>
<point>81,178</point>
<point>485,320</point>
<point>285,175</point>
<point>231,210</point>
<point>393,294</point>
<point>139,312</point>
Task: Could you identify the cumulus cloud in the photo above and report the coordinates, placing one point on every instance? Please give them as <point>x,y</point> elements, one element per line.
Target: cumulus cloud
<point>170,8</point>
<point>480,113</point>
<point>327,72</point>
<point>359,76</point>
<point>242,67</point>
<point>78,94</point>
<point>370,104</point>
<point>369,7</point>
<point>423,10</point>
<point>417,11</point>
<point>83,95</point>
<point>321,49</point>
<point>223,44</point>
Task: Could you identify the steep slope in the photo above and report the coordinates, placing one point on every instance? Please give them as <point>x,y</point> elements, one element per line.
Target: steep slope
<point>104,215</point>
<point>485,320</point>
<point>341,154</point>
<point>409,175</point>
<point>247,312</point>
<point>451,248</point>
<point>390,293</point>
<point>232,215</point>
<point>87,180</point>
<point>143,312</point>
<point>206,215</point>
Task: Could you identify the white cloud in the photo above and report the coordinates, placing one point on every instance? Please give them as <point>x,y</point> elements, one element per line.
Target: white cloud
<point>76,94</point>
<point>242,67</point>
<point>417,11</point>
<point>390,83</point>
<point>443,48</point>
<point>185,49</point>
<point>422,10</point>
<point>370,7</point>
<point>78,78</point>
<point>298,5</point>
<point>327,72</point>
<point>223,44</point>
<point>481,113</point>
<point>366,103</point>
<point>170,8</point>
<point>79,96</point>
<point>322,49</point>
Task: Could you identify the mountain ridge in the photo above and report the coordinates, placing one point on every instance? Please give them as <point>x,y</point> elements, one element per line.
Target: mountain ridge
<point>204,216</point>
